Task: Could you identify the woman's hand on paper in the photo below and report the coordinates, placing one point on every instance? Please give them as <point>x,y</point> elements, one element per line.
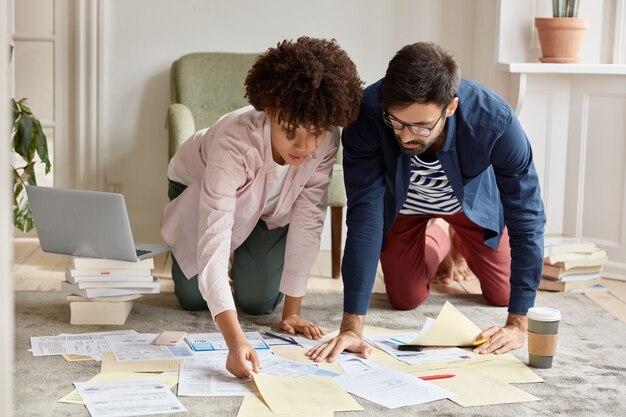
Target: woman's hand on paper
<point>240,352</point>
<point>294,324</point>
<point>238,359</point>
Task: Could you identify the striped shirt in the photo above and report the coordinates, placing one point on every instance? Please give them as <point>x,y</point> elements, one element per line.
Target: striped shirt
<point>429,190</point>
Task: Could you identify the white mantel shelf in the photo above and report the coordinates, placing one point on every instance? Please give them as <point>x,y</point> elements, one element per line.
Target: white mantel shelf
<point>520,72</point>
<point>583,69</point>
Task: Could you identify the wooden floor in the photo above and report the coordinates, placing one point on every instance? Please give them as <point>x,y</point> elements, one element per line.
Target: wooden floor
<point>35,270</point>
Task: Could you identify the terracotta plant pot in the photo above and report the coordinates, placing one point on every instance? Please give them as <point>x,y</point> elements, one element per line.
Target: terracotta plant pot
<point>561,38</point>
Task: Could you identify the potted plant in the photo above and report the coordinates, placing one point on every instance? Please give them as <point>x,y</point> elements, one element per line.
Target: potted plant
<point>28,141</point>
<point>561,36</point>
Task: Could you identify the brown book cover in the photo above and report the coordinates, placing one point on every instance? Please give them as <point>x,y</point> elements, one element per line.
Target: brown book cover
<point>554,272</point>
<point>562,286</point>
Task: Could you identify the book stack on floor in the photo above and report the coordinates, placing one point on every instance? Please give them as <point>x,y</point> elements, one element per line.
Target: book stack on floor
<point>571,264</point>
<point>102,291</point>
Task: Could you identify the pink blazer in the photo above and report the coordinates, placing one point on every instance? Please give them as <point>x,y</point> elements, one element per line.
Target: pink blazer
<point>231,170</point>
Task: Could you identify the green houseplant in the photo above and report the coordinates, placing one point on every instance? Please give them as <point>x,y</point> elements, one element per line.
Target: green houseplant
<point>565,8</point>
<point>29,141</point>
<point>561,36</point>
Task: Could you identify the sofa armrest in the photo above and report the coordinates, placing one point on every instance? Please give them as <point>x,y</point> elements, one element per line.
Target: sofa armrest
<point>180,126</point>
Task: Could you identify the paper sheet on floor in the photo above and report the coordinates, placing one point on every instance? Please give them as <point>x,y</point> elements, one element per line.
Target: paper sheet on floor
<point>389,343</point>
<point>309,394</point>
<point>171,379</point>
<point>89,344</point>
<point>109,364</point>
<point>384,386</point>
<point>475,389</point>
<point>278,366</point>
<point>253,406</point>
<point>139,347</point>
<point>201,342</point>
<point>136,397</point>
<point>451,328</point>
<point>205,375</point>
<point>506,368</point>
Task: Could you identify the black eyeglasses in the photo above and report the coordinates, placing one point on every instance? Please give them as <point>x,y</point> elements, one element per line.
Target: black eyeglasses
<point>417,130</point>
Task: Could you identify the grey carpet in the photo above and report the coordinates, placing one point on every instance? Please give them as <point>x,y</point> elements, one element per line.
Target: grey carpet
<point>587,379</point>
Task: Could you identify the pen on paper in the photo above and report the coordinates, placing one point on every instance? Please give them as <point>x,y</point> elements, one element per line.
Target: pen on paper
<point>284,339</point>
<point>414,348</point>
<point>440,376</point>
<point>480,342</point>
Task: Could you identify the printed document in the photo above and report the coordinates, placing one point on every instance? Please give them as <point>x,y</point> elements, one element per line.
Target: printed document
<point>73,397</point>
<point>90,344</point>
<point>205,375</point>
<point>215,341</point>
<point>139,347</point>
<point>384,386</point>
<point>277,366</point>
<point>136,397</point>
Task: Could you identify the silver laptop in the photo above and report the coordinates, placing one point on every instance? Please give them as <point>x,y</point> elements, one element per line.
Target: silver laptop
<point>92,224</point>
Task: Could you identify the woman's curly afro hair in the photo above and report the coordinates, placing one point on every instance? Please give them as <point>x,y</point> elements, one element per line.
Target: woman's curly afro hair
<point>310,83</point>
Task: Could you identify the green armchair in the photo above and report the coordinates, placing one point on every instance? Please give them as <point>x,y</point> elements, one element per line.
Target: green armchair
<point>207,85</point>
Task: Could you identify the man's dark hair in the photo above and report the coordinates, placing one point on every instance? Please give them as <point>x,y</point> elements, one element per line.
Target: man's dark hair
<point>310,83</point>
<point>420,73</point>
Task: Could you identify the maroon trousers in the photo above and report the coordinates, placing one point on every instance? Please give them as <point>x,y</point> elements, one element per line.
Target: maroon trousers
<point>414,249</point>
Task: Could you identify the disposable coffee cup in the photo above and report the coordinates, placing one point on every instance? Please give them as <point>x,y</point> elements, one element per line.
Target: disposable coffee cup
<point>543,335</point>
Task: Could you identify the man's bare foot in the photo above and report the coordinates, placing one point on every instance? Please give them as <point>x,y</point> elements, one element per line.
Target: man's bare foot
<point>454,266</point>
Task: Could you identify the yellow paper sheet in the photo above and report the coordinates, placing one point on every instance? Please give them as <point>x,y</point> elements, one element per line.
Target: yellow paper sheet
<point>451,328</point>
<point>473,389</point>
<point>308,394</point>
<point>293,353</point>
<point>75,398</point>
<point>109,364</point>
<point>505,368</point>
<point>253,406</point>
<point>70,357</point>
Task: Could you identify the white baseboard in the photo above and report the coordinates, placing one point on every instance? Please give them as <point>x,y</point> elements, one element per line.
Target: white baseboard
<point>615,270</point>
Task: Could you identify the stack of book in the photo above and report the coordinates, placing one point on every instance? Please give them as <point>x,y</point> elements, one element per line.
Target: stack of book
<point>571,264</point>
<point>102,291</point>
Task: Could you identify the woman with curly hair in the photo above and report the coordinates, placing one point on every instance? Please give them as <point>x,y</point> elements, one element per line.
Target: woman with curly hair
<point>255,183</point>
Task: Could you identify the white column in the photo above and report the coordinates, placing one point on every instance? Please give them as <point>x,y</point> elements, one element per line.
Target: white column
<point>6,246</point>
<point>89,154</point>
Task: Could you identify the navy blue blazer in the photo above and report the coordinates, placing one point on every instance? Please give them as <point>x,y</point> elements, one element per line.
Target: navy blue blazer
<point>488,160</point>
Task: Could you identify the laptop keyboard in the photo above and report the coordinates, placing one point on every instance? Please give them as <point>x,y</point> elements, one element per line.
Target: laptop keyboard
<point>141,252</point>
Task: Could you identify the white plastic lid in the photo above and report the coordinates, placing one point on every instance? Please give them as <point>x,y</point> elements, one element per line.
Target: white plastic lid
<point>544,314</point>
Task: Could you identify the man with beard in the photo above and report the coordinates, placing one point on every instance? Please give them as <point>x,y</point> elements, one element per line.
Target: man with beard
<point>428,144</point>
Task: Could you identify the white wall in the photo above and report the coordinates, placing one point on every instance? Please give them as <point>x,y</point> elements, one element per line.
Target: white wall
<point>518,37</point>
<point>140,39</point>
<point>574,117</point>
